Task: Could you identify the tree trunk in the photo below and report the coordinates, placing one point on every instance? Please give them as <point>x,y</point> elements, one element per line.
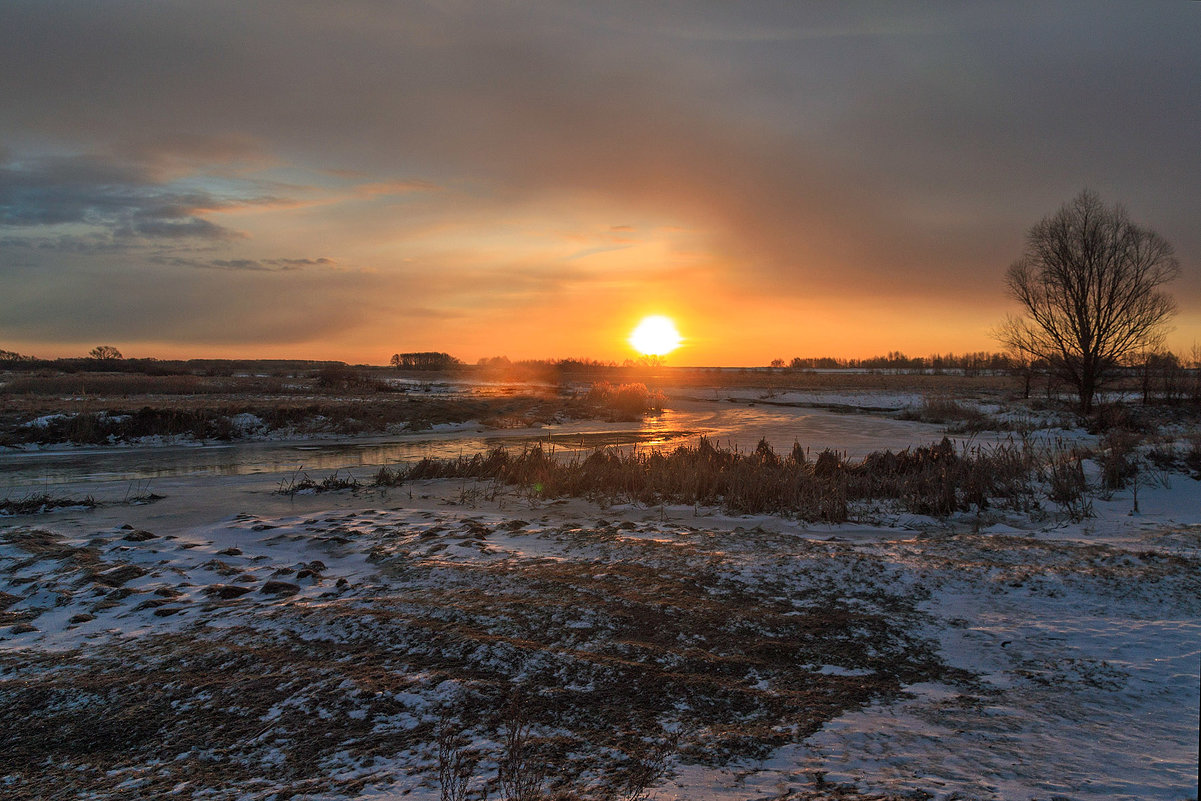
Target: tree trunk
<point>1088,388</point>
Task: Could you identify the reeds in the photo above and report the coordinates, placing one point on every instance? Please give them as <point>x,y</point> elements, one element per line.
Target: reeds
<point>955,416</point>
<point>331,483</point>
<point>43,502</point>
<point>625,401</point>
<point>937,480</point>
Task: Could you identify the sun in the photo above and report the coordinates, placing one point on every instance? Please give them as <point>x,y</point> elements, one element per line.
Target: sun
<point>655,336</point>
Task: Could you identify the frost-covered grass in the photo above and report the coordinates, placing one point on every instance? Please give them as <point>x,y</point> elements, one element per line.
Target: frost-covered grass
<point>322,653</point>
<point>132,655</point>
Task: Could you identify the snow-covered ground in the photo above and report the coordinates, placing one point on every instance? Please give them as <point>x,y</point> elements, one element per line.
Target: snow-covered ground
<point>230,642</point>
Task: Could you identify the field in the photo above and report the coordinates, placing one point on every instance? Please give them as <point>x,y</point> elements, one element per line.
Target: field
<point>685,619</point>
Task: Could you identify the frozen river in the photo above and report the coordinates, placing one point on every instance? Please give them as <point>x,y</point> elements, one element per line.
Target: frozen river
<point>739,425</point>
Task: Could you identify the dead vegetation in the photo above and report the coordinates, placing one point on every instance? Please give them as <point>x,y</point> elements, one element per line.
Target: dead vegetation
<point>303,483</point>
<point>625,402</point>
<point>43,502</point>
<point>956,417</point>
<point>937,480</point>
<point>572,679</point>
<point>589,667</point>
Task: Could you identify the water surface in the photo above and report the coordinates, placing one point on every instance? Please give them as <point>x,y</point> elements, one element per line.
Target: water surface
<point>738,425</point>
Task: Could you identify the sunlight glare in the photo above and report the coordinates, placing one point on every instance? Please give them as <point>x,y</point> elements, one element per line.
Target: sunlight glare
<point>655,336</point>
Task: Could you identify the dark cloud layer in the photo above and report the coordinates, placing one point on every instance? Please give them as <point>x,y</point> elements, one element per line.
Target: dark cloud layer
<point>123,199</point>
<point>258,265</point>
<point>894,150</point>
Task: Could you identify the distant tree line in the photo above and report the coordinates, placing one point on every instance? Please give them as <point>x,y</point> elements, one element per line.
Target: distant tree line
<point>423,360</point>
<point>12,357</point>
<point>567,365</point>
<point>968,363</point>
<point>14,361</point>
<point>1161,376</point>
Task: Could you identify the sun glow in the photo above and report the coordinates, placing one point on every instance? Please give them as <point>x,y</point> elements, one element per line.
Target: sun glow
<point>655,336</point>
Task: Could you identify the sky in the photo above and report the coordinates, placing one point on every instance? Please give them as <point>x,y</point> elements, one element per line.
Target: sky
<point>529,179</point>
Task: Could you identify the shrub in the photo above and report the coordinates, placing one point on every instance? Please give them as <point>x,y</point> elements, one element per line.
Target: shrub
<point>1192,457</point>
<point>1067,484</point>
<point>1117,458</point>
<point>950,413</point>
<point>342,376</point>
<point>625,402</point>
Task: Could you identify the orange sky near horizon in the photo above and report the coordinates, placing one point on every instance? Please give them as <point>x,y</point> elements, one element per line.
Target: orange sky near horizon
<point>717,342</point>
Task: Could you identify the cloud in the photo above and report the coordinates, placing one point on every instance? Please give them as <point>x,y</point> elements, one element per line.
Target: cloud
<point>393,188</point>
<point>256,265</point>
<point>92,243</point>
<point>297,263</point>
<point>170,153</point>
<point>123,199</point>
<point>592,251</point>
<point>177,229</point>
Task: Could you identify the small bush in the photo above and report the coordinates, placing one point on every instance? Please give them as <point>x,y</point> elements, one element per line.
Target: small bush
<point>344,377</point>
<point>1117,458</point>
<point>1067,484</point>
<point>1192,457</point>
<point>627,401</point>
<point>1114,417</point>
<point>957,417</point>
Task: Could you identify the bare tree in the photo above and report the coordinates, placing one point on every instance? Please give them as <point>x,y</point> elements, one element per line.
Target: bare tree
<point>1089,283</point>
<point>104,352</point>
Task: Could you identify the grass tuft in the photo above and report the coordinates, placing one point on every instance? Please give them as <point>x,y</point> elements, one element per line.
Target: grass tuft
<point>331,483</point>
<point>43,502</point>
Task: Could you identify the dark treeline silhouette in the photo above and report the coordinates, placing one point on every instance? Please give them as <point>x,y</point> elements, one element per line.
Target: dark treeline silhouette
<point>570,364</point>
<point>423,360</point>
<point>968,363</point>
<point>1158,375</point>
<point>10,360</point>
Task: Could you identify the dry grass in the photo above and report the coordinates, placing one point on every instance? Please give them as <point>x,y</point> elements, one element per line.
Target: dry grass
<point>628,649</point>
<point>625,402</point>
<point>955,416</point>
<point>331,483</point>
<point>601,656</point>
<point>937,480</point>
<point>42,502</point>
<point>107,385</point>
